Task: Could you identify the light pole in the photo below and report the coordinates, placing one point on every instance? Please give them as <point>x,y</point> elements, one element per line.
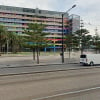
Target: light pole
<point>62,51</point>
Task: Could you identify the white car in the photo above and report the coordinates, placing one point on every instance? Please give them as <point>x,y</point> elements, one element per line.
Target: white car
<point>90,59</point>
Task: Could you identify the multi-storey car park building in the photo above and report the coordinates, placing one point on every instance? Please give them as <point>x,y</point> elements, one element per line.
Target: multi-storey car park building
<point>16,19</point>
<point>74,23</point>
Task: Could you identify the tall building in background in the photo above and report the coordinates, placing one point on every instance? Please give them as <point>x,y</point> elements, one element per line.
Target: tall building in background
<point>74,23</point>
<point>15,19</point>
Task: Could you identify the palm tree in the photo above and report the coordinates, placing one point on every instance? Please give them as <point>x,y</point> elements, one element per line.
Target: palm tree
<point>3,37</point>
<point>15,41</point>
<point>36,38</point>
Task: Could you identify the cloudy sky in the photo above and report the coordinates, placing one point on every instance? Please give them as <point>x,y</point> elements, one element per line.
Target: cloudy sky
<point>89,10</point>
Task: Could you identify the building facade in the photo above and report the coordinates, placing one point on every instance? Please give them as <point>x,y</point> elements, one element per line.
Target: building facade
<point>74,23</point>
<point>15,19</point>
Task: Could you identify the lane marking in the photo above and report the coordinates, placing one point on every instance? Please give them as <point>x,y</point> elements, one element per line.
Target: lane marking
<point>68,93</point>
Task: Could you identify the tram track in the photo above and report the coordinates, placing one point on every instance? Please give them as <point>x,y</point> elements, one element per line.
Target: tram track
<point>47,75</point>
<point>47,71</point>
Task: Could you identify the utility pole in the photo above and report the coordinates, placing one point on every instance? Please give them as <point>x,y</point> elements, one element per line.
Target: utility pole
<point>81,36</point>
<point>96,31</point>
<point>96,39</point>
<point>62,50</point>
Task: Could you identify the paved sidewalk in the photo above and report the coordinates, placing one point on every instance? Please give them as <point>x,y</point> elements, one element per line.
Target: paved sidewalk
<point>17,61</point>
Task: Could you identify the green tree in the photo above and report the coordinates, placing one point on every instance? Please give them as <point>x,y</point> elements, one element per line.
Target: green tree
<point>71,42</point>
<point>10,39</point>
<point>96,43</point>
<point>16,41</point>
<point>83,37</point>
<point>36,38</point>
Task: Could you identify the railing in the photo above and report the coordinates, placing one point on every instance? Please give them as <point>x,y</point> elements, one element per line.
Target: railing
<point>31,18</point>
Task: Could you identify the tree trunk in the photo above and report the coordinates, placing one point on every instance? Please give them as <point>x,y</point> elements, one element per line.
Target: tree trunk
<point>39,51</point>
<point>33,53</point>
<point>96,50</point>
<point>37,55</point>
<point>0,49</point>
<point>69,53</point>
<point>82,49</point>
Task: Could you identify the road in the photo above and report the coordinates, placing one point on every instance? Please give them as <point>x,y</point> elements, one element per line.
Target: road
<point>89,94</point>
<point>35,69</point>
<point>42,85</point>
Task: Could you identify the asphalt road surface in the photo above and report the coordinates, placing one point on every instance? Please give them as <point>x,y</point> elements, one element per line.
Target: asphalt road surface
<point>39,86</point>
<point>75,95</point>
<point>39,68</point>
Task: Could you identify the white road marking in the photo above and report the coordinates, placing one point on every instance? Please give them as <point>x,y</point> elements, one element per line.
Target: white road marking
<point>68,93</point>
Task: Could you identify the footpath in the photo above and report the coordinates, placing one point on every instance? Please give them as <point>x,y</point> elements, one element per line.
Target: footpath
<point>27,60</point>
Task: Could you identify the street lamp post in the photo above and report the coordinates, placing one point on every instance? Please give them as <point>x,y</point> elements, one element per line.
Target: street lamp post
<point>62,51</point>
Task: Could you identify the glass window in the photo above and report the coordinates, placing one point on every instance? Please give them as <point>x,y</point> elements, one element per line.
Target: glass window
<point>28,10</point>
<point>82,56</point>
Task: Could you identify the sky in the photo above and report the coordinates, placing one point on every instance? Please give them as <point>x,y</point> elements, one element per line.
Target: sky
<point>88,10</point>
